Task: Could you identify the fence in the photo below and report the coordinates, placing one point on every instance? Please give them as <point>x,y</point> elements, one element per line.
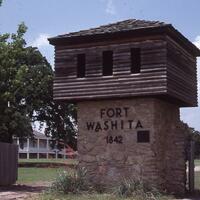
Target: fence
<point>8,163</point>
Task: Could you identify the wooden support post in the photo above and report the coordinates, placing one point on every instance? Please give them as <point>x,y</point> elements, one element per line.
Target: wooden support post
<point>191,167</point>
<point>28,150</point>
<point>18,147</point>
<point>47,149</point>
<point>38,148</point>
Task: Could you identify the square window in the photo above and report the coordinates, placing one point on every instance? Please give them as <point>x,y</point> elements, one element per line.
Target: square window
<point>143,136</point>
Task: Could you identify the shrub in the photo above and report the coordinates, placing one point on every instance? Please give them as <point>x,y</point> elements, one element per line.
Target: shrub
<point>70,182</point>
<point>75,182</point>
<point>138,190</point>
<point>99,188</point>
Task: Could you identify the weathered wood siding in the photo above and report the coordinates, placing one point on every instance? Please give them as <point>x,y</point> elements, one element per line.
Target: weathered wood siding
<point>181,74</point>
<point>8,163</point>
<point>151,81</point>
<point>167,70</point>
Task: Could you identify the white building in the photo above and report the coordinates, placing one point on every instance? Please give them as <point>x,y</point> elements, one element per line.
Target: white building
<point>39,147</point>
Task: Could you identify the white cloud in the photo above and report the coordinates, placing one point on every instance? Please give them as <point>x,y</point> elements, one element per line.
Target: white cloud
<point>110,7</point>
<point>197,41</point>
<point>41,40</point>
<point>42,43</point>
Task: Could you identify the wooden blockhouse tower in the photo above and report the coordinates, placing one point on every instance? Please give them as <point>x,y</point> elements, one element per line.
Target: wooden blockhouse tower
<point>129,80</point>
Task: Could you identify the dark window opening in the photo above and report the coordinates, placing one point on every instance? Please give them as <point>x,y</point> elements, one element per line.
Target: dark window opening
<point>107,63</point>
<point>135,60</point>
<point>81,65</point>
<point>143,136</point>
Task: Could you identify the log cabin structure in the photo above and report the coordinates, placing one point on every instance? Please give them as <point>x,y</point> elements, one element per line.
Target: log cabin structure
<point>165,64</point>
<point>129,80</point>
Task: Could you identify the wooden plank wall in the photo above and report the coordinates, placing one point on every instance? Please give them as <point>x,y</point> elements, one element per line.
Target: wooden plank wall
<point>151,81</point>
<point>8,163</point>
<point>181,73</point>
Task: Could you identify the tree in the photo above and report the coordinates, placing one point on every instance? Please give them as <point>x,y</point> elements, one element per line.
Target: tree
<point>60,123</point>
<point>13,113</point>
<point>26,93</point>
<point>191,135</point>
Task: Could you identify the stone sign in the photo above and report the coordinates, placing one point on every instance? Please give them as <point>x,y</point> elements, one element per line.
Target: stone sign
<point>126,139</point>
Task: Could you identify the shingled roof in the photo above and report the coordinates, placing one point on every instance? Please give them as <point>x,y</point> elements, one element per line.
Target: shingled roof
<point>124,28</point>
<point>127,25</point>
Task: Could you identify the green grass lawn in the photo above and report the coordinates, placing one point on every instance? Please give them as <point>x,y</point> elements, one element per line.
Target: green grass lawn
<point>35,175</point>
<point>89,197</point>
<point>197,180</point>
<point>197,162</point>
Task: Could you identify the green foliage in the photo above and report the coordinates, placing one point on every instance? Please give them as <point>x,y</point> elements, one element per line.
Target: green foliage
<point>1,2</point>
<point>191,134</point>
<point>60,119</point>
<point>99,188</point>
<point>26,93</point>
<point>14,120</point>
<point>137,190</point>
<point>73,182</point>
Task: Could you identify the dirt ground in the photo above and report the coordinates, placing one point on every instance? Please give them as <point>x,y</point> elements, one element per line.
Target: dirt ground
<point>26,192</point>
<point>21,192</point>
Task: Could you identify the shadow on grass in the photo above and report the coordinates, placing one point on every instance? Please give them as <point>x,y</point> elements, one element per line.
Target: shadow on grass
<point>23,188</point>
<point>46,165</point>
<point>194,196</point>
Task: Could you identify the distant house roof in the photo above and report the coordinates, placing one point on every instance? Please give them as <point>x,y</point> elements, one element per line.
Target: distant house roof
<point>130,27</point>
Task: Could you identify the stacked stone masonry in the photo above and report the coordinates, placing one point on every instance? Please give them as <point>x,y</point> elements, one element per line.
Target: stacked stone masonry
<point>109,149</point>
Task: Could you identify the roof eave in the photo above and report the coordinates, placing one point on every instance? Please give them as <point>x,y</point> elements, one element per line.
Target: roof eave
<point>164,29</point>
<point>59,40</point>
<point>180,38</point>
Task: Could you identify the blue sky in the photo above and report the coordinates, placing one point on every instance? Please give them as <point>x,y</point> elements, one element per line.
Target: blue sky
<point>47,18</point>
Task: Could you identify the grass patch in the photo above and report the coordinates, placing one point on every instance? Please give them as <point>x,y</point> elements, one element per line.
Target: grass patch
<point>93,196</point>
<point>79,197</point>
<point>197,162</point>
<point>41,174</point>
<point>75,186</point>
<point>35,175</point>
<point>197,180</point>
